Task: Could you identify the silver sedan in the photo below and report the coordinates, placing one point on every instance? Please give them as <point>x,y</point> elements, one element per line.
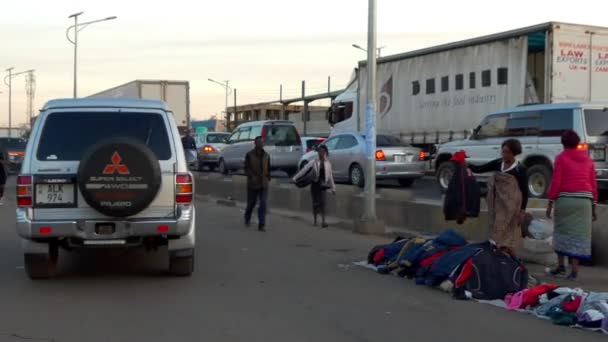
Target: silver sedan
<point>394,159</point>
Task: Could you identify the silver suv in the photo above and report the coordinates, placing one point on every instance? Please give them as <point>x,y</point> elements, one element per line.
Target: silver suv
<point>105,173</point>
<point>281,141</point>
<point>539,129</point>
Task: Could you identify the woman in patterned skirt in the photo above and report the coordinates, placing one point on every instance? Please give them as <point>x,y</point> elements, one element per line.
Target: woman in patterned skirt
<point>573,194</point>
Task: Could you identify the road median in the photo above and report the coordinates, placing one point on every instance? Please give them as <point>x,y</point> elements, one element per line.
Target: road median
<point>397,208</point>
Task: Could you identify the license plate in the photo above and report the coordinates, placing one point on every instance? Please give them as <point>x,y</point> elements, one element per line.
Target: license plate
<point>597,154</point>
<point>403,159</point>
<point>284,148</point>
<point>54,194</point>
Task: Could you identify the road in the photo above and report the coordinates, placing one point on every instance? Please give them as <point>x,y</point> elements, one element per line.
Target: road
<point>292,283</point>
<point>425,188</point>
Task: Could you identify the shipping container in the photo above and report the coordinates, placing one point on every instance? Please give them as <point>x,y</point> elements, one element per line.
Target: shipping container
<point>175,93</point>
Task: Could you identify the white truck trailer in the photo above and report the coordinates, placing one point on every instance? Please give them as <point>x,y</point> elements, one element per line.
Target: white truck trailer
<point>440,94</point>
<point>175,93</point>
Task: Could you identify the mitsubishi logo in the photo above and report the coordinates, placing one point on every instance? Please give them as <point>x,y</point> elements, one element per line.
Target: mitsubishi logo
<point>116,166</point>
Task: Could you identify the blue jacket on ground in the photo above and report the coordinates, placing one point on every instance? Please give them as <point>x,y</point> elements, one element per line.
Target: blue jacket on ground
<point>443,267</point>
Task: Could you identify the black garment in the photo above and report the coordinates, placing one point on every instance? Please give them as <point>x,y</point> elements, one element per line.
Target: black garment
<point>519,172</point>
<point>317,192</point>
<point>188,143</point>
<point>462,199</point>
<point>3,173</point>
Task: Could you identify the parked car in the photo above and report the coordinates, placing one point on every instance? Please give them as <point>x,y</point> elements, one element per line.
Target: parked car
<point>310,143</point>
<point>209,146</point>
<point>13,151</point>
<point>394,159</point>
<point>281,141</point>
<point>539,129</point>
<point>105,173</point>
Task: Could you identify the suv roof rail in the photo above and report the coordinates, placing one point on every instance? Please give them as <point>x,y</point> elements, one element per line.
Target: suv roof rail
<point>529,104</point>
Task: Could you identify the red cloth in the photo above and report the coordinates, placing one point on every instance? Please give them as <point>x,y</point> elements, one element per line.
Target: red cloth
<point>572,305</point>
<point>465,273</point>
<point>532,295</point>
<point>459,157</point>
<point>573,171</point>
<point>378,256</point>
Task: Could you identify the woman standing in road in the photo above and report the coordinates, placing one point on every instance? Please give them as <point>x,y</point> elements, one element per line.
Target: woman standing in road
<point>507,196</point>
<point>573,192</point>
<point>323,181</point>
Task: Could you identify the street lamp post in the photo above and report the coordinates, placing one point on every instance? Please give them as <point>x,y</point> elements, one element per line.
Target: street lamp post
<point>363,49</point>
<point>77,28</point>
<point>8,80</point>
<point>228,91</point>
<point>369,223</point>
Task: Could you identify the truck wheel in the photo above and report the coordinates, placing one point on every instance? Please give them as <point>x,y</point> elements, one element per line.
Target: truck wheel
<point>445,172</point>
<point>222,167</point>
<point>539,178</point>
<point>406,182</point>
<point>356,176</point>
<point>181,263</point>
<point>42,266</point>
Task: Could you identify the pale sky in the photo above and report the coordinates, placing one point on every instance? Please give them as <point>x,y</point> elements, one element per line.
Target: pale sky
<point>257,45</point>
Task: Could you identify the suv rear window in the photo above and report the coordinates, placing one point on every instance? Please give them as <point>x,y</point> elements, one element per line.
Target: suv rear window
<point>284,135</point>
<point>217,138</point>
<point>388,141</point>
<point>67,136</point>
<point>596,121</point>
<point>13,143</point>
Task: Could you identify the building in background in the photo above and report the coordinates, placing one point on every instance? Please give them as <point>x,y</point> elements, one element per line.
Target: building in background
<point>317,124</point>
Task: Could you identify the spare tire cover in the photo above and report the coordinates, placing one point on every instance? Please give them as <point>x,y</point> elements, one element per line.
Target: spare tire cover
<point>119,177</point>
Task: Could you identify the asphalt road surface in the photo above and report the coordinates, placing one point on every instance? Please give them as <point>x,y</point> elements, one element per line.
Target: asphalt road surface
<point>424,188</point>
<point>292,283</point>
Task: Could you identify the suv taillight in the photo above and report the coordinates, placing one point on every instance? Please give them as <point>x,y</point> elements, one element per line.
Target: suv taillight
<point>24,191</point>
<point>422,155</point>
<point>183,188</point>
<point>380,156</point>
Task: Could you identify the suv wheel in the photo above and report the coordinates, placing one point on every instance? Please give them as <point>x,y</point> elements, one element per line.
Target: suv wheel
<point>42,266</point>
<point>539,178</point>
<point>222,167</point>
<point>445,172</point>
<point>181,263</point>
<point>356,176</point>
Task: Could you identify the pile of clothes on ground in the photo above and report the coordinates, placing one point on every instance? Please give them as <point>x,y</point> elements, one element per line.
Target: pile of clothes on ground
<point>480,271</point>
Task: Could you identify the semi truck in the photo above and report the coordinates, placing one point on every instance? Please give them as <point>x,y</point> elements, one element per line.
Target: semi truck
<point>175,93</point>
<point>439,94</point>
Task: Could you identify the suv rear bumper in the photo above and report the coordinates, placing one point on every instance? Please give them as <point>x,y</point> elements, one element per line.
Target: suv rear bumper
<point>123,229</point>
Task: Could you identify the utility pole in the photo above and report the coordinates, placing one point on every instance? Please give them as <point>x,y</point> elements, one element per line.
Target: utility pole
<point>10,99</point>
<point>8,80</point>
<point>305,108</point>
<point>235,114</point>
<point>30,89</point>
<point>369,223</point>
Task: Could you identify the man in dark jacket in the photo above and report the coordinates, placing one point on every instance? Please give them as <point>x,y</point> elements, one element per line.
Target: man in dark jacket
<point>188,141</point>
<point>257,169</point>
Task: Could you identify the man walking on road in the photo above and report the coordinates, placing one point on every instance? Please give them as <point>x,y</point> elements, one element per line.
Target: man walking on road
<point>257,169</point>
